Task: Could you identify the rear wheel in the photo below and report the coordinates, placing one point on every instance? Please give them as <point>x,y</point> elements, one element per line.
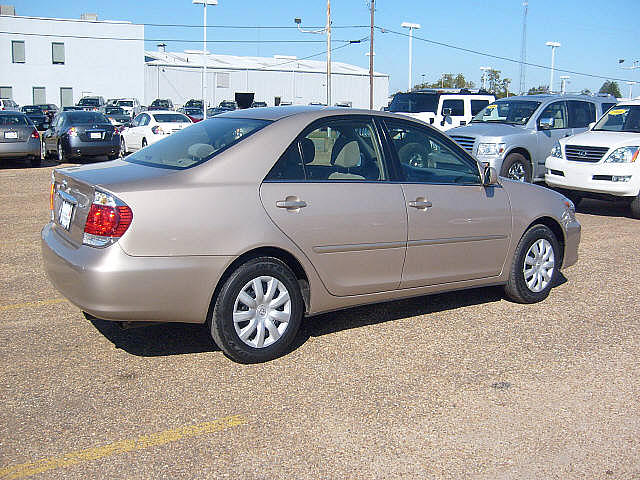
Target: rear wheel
<point>634,206</point>
<point>535,265</point>
<point>516,167</point>
<point>258,311</point>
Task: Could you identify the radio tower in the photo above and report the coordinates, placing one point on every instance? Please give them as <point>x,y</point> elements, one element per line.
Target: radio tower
<point>523,48</point>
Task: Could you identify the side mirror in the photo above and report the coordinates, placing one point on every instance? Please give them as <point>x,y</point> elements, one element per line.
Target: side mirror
<point>545,123</point>
<point>446,112</point>
<point>490,176</point>
<point>591,125</point>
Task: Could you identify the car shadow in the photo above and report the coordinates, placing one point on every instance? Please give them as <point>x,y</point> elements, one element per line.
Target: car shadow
<point>604,208</point>
<point>179,338</point>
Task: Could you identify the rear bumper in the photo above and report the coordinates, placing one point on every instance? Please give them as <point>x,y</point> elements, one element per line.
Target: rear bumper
<point>21,149</point>
<point>76,147</point>
<point>109,284</point>
<point>579,176</point>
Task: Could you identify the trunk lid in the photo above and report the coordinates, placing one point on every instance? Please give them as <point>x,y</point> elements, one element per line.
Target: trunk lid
<point>15,133</point>
<point>94,132</point>
<point>74,189</point>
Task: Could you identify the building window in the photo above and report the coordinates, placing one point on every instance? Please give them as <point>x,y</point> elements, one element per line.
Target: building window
<point>66,97</point>
<point>6,92</point>
<point>222,80</point>
<point>57,53</point>
<point>39,95</point>
<point>17,51</point>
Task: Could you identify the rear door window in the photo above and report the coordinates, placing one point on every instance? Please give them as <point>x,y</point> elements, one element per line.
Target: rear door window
<point>581,114</point>
<point>456,106</point>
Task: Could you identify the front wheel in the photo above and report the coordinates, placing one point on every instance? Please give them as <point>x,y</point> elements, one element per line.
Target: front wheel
<point>535,265</point>
<point>258,311</point>
<point>516,167</point>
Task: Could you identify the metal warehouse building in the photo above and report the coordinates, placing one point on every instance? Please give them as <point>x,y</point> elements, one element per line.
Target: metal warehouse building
<point>51,60</point>
<point>178,76</point>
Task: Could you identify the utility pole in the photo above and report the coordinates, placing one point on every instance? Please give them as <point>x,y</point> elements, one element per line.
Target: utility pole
<point>371,58</point>
<point>328,53</point>
<point>523,48</point>
<point>553,46</point>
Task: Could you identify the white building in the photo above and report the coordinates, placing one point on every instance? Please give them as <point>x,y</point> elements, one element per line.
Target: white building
<point>49,60</point>
<point>178,76</point>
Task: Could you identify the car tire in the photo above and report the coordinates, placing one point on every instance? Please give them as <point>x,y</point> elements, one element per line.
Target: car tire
<point>634,206</point>
<point>516,167</point>
<point>144,142</point>
<point>265,326</point>
<point>539,250</point>
<point>62,157</point>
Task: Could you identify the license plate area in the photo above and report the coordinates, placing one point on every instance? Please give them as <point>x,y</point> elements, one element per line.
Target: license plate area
<point>65,214</point>
<point>12,135</point>
<point>95,135</point>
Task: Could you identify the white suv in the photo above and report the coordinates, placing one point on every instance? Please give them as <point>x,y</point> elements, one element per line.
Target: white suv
<point>603,161</point>
<point>442,108</point>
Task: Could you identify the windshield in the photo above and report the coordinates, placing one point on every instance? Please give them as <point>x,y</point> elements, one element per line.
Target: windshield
<point>414,102</point>
<point>13,120</point>
<point>32,110</point>
<point>114,111</point>
<point>160,103</point>
<point>124,103</point>
<point>621,118</point>
<point>93,102</point>
<point>515,112</point>
<point>194,103</point>
<point>196,144</point>
<point>86,117</point>
<point>171,118</point>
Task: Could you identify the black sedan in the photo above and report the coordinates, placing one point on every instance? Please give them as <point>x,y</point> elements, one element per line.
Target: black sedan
<point>117,116</point>
<point>49,109</point>
<point>76,134</point>
<point>36,115</point>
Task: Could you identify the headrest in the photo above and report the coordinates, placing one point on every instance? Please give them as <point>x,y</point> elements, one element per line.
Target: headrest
<point>308,150</point>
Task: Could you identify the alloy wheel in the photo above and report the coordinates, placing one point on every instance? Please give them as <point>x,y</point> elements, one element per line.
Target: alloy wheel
<point>517,172</point>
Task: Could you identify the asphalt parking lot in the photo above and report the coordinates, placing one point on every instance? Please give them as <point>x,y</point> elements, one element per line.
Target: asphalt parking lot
<point>461,385</point>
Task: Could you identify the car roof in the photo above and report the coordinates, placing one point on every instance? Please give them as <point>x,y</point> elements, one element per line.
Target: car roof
<point>154,112</point>
<point>11,112</point>
<point>550,96</point>
<point>629,102</point>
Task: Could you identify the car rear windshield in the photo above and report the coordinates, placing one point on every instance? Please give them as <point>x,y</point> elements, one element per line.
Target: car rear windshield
<point>414,102</point>
<point>124,103</point>
<point>194,103</point>
<point>621,118</point>
<point>86,117</point>
<point>114,111</point>
<point>92,102</point>
<point>516,112</point>
<point>161,103</point>
<point>13,120</point>
<point>196,144</point>
<point>170,118</point>
<point>32,110</point>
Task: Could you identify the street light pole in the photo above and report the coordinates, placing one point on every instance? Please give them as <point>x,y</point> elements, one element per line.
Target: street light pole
<point>410,26</point>
<point>204,3</point>
<point>563,83</point>
<point>553,46</point>
<point>483,79</point>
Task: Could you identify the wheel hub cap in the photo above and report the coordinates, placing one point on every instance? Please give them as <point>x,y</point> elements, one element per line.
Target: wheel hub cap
<point>539,265</point>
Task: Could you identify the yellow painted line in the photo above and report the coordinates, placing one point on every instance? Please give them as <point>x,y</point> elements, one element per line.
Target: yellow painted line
<point>31,304</point>
<point>146,441</point>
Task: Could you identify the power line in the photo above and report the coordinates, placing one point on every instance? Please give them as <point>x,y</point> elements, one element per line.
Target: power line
<point>184,25</point>
<point>89,37</point>
<point>498,57</point>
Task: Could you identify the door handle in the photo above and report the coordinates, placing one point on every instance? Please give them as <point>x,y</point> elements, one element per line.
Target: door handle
<point>420,203</point>
<point>290,204</point>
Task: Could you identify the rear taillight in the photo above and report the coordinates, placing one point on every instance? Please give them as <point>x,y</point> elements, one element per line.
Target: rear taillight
<point>73,132</point>
<point>108,219</point>
<point>35,134</point>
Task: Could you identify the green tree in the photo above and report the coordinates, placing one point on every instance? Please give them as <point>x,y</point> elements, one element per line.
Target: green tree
<point>448,80</point>
<point>538,89</point>
<point>497,85</point>
<point>611,88</point>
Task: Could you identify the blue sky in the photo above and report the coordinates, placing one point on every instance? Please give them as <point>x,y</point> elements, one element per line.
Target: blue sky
<point>593,37</point>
